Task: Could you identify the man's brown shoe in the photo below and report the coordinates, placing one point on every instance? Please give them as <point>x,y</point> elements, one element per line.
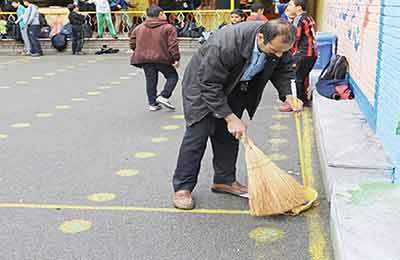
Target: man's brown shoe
<point>183,200</point>
<point>235,189</point>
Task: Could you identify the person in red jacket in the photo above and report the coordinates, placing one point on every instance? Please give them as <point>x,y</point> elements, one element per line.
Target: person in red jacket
<point>257,13</point>
<point>304,49</point>
<point>156,49</point>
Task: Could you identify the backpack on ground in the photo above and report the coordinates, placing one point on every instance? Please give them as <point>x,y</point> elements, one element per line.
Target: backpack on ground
<point>59,42</point>
<point>333,82</point>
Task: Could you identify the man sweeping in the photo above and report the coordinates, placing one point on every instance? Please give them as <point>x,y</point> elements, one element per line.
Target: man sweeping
<point>226,76</point>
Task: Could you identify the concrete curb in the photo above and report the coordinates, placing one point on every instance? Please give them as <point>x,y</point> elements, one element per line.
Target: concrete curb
<point>11,47</point>
<point>357,178</point>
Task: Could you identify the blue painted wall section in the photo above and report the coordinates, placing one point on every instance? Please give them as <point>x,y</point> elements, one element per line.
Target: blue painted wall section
<point>388,80</point>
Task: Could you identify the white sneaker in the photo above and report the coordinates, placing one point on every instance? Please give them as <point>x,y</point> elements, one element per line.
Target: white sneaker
<point>154,108</point>
<point>165,102</point>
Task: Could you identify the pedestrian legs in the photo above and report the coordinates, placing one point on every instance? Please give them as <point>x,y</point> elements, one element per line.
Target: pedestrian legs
<point>25,38</point>
<point>33,33</point>
<point>151,74</point>
<point>303,69</point>
<point>110,24</point>
<point>191,153</point>
<point>77,40</point>
<point>171,76</point>
<point>100,24</point>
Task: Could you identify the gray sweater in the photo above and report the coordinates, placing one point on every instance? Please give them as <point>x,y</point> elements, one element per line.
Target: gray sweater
<point>31,16</point>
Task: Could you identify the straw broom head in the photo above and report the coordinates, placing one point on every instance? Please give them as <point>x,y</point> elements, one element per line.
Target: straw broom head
<point>271,190</point>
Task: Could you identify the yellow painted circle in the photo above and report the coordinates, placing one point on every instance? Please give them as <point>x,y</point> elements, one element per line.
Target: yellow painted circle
<point>144,155</point>
<point>21,125</point>
<point>127,172</point>
<point>37,77</point>
<point>63,107</point>
<point>278,127</point>
<point>276,141</point>
<point>101,197</point>
<point>277,157</point>
<point>266,234</point>
<point>170,127</point>
<point>280,116</point>
<point>115,82</point>
<point>159,139</point>
<point>124,78</point>
<point>94,93</point>
<point>78,99</point>
<point>44,115</point>
<point>75,226</point>
<point>3,136</point>
<point>178,117</point>
<point>61,70</point>
<point>22,82</point>
<point>104,87</point>
<point>50,74</point>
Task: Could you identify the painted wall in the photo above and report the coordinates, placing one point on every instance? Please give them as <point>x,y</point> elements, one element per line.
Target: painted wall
<point>369,36</point>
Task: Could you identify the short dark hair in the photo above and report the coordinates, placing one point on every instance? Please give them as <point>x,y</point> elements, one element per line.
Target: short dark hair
<point>256,6</point>
<point>239,12</point>
<point>278,27</point>
<point>302,3</point>
<point>15,1</point>
<point>71,7</point>
<point>153,11</point>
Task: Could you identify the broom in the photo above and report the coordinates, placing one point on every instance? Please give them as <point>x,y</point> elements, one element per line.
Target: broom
<point>271,190</point>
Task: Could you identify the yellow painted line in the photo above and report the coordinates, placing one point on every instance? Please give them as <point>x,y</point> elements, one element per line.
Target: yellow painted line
<point>308,144</point>
<point>317,238</point>
<point>122,208</point>
<point>5,87</point>
<point>44,115</point>
<point>3,136</point>
<point>37,77</point>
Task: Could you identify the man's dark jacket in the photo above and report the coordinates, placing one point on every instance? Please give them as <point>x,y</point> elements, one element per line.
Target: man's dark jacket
<point>215,70</point>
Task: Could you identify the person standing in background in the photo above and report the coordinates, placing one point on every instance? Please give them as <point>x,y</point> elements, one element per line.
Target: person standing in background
<point>257,13</point>
<point>31,19</point>
<point>304,49</point>
<point>77,20</point>
<point>103,12</point>
<point>22,26</point>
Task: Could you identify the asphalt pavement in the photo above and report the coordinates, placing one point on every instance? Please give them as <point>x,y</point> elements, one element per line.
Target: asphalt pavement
<point>85,172</point>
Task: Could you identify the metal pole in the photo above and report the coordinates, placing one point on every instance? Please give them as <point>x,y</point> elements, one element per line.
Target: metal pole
<point>232,5</point>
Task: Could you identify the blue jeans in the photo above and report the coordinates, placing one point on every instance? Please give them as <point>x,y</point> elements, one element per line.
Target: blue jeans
<point>33,33</point>
<point>151,72</point>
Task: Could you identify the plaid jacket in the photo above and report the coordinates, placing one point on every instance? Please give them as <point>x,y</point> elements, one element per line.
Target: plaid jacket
<point>305,45</point>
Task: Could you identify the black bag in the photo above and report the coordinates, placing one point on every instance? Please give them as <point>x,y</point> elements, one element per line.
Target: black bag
<point>59,41</point>
<point>87,27</point>
<point>42,20</point>
<point>333,82</point>
<point>13,31</point>
<point>45,32</point>
<point>336,69</point>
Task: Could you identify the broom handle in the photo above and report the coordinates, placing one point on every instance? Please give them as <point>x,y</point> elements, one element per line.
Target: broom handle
<point>298,131</point>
